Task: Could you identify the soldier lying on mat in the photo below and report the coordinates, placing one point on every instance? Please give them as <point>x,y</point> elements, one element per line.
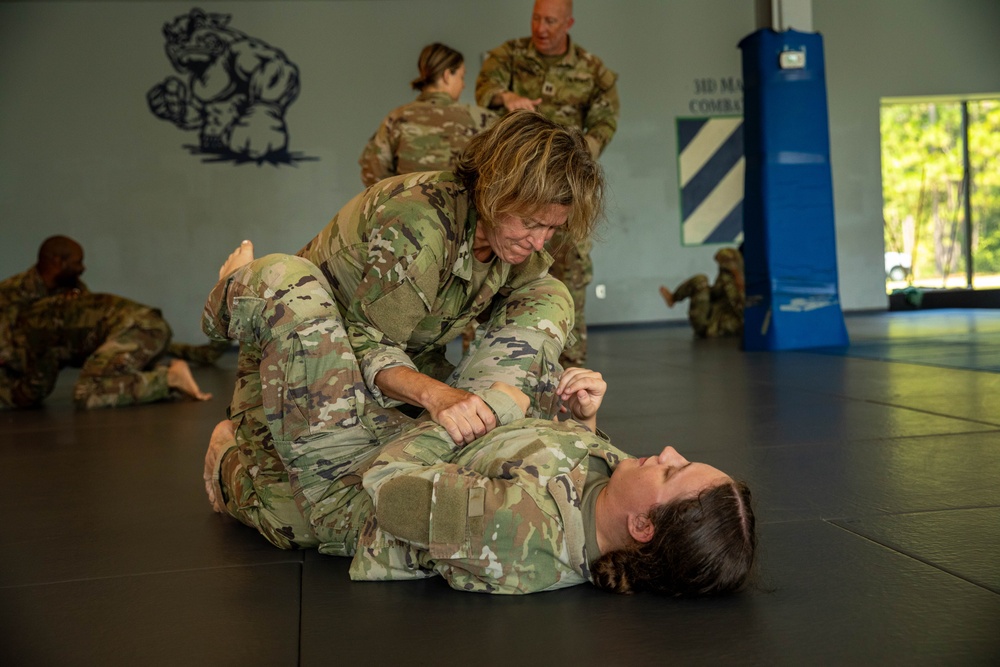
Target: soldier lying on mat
<point>533,505</point>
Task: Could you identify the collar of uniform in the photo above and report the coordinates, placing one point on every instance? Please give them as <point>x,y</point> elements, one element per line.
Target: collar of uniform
<point>568,60</point>
<point>532,268</point>
<point>34,284</point>
<point>462,267</point>
<point>435,97</point>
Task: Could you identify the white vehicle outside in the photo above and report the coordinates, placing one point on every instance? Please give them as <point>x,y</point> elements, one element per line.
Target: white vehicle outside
<point>897,265</point>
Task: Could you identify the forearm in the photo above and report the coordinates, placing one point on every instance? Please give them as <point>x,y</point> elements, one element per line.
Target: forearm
<point>599,131</point>
<point>402,383</point>
<point>492,81</point>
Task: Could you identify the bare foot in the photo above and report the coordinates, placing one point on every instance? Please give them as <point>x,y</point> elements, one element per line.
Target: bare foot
<point>242,256</point>
<point>667,296</point>
<point>179,377</point>
<point>223,437</point>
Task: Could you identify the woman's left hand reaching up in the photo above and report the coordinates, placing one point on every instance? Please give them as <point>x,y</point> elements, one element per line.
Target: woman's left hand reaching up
<point>582,392</point>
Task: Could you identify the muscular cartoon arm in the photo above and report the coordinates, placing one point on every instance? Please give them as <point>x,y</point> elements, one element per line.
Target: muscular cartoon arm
<point>171,100</point>
<point>272,79</point>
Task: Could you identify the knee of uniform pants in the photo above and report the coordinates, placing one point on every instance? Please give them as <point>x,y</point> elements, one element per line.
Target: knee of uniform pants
<point>544,304</point>
<point>265,297</point>
<point>265,504</point>
<point>152,337</point>
<point>315,462</point>
<point>135,341</point>
<point>527,359</point>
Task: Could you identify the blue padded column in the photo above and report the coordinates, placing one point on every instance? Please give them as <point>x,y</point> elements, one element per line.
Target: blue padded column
<point>789,246</point>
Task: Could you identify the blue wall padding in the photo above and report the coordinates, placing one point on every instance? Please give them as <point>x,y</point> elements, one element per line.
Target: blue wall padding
<point>790,251</point>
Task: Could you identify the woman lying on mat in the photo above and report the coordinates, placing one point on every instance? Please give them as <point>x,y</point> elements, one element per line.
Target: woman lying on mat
<point>533,505</point>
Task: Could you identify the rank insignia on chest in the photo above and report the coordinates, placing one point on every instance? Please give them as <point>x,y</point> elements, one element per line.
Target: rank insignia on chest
<point>548,89</point>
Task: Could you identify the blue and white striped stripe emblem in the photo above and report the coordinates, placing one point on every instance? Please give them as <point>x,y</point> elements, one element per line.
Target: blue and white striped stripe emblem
<point>710,167</point>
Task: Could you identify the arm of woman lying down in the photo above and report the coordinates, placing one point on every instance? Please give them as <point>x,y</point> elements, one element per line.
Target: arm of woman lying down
<point>483,517</point>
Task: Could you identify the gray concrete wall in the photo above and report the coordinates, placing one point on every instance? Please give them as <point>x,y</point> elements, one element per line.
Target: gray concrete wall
<point>81,154</point>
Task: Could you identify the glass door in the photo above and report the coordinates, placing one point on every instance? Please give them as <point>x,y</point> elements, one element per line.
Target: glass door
<point>941,202</point>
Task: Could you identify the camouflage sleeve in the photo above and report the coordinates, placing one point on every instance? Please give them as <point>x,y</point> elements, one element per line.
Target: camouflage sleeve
<point>495,76</point>
<point>482,117</point>
<point>478,526</point>
<point>8,300</point>
<point>725,287</point>
<point>378,158</point>
<point>12,293</point>
<point>602,116</point>
<point>398,287</point>
<point>112,391</point>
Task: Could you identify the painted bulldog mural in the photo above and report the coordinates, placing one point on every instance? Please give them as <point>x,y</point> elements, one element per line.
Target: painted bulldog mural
<point>234,89</point>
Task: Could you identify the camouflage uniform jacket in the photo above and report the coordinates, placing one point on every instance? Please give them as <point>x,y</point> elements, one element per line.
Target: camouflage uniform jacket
<point>425,135</point>
<point>728,296</point>
<point>577,91</point>
<point>399,260</point>
<point>27,287</point>
<point>16,293</point>
<point>501,515</point>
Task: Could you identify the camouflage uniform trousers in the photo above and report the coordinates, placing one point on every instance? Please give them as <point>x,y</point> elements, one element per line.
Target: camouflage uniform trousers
<point>573,266</point>
<point>708,312</point>
<point>306,425</point>
<point>25,385</point>
<point>205,355</point>
<point>116,339</point>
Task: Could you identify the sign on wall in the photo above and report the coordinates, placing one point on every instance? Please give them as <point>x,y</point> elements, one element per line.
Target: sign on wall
<point>710,170</point>
<point>233,90</point>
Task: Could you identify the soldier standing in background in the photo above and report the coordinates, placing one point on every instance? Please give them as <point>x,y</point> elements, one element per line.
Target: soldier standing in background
<point>715,310</point>
<point>550,74</point>
<point>429,133</point>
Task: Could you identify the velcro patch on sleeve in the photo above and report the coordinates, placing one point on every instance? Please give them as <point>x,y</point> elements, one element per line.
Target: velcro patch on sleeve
<point>404,509</point>
<point>449,514</point>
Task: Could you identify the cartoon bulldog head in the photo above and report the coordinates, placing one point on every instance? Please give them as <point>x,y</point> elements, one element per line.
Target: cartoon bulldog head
<point>197,39</point>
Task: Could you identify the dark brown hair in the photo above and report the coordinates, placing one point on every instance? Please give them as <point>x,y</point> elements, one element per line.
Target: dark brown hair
<point>703,545</point>
<point>435,59</point>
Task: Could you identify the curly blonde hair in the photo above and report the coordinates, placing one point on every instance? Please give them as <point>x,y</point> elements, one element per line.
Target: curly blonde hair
<point>526,162</point>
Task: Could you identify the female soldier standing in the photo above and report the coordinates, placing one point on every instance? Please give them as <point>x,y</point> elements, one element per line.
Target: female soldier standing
<point>431,132</point>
